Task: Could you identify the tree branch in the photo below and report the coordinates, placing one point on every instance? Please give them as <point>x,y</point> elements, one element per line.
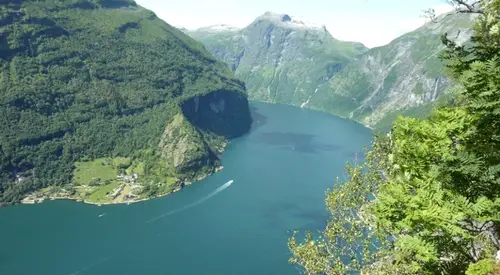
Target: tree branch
<point>470,8</point>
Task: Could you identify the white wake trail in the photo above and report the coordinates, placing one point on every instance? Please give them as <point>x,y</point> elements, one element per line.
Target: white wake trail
<point>217,191</point>
<point>91,266</point>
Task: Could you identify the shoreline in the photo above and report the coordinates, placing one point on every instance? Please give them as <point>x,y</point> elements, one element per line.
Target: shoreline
<point>308,107</point>
<point>25,200</point>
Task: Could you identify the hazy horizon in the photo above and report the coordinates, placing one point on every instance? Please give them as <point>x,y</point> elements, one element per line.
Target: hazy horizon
<point>371,22</point>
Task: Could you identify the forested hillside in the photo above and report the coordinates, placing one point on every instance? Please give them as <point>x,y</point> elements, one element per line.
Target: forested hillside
<point>427,200</point>
<point>85,79</point>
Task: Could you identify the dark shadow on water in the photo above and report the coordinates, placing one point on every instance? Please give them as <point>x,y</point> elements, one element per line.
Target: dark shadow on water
<point>303,143</point>
<point>258,119</point>
<point>277,214</point>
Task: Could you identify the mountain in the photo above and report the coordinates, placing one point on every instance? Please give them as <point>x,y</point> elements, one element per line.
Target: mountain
<point>281,59</point>
<point>288,61</point>
<point>403,76</point>
<point>94,91</point>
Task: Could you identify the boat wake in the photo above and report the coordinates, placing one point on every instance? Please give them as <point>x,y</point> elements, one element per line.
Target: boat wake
<point>103,260</point>
<point>92,266</point>
<point>217,191</point>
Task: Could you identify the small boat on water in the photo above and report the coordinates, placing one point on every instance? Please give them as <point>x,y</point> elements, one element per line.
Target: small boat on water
<point>102,215</point>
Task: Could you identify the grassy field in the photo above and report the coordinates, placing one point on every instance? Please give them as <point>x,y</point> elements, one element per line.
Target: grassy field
<point>100,194</point>
<point>102,168</point>
<point>107,170</point>
<point>136,167</point>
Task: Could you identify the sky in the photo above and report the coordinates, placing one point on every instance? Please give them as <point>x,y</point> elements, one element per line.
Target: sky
<point>371,22</point>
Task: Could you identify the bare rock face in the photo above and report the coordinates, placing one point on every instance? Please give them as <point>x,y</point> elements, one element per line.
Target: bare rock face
<point>194,137</point>
<point>184,148</point>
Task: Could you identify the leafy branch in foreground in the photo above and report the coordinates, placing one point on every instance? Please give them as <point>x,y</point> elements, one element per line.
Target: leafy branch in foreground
<point>348,242</point>
<point>482,7</point>
<point>427,199</point>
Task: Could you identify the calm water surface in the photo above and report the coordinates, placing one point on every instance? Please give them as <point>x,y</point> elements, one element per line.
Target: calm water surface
<point>280,171</point>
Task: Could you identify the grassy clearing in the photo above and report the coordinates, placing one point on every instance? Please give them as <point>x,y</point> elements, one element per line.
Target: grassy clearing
<point>102,168</point>
<point>107,170</point>
<point>136,167</point>
<point>121,161</point>
<point>100,194</point>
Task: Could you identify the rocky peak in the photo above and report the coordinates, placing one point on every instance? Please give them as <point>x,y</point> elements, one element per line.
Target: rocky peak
<point>287,21</point>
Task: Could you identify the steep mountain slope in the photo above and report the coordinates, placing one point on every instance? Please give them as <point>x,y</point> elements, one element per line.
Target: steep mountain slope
<point>287,61</point>
<point>86,79</point>
<point>281,59</point>
<point>405,74</point>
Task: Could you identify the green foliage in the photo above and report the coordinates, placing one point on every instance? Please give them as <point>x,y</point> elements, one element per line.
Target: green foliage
<point>483,267</point>
<point>421,112</point>
<point>86,79</point>
<point>347,244</point>
<point>427,200</point>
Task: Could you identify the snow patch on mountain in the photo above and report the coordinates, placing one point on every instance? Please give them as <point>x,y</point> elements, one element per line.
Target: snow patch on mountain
<point>285,20</point>
<point>219,28</point>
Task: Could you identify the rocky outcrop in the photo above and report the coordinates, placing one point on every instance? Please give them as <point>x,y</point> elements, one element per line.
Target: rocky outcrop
<point>184,148</point>
<point>194,138</point>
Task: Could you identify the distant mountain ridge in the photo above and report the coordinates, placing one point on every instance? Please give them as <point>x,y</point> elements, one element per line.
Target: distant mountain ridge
<point>281,59</point>
<point>285,60</point>
<point>405,74</point>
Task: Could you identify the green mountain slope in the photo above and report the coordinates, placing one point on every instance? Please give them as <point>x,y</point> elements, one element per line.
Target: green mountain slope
<point>405,74</point>
<point>281,59</point>
<point>284,60</point>
<point>86,79</point>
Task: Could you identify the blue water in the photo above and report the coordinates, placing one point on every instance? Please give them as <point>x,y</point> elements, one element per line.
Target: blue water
<point>281,170</point>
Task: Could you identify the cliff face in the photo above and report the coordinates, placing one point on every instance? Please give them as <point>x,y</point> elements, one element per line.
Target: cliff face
<point>193,140</point>
<point>219,113</point>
